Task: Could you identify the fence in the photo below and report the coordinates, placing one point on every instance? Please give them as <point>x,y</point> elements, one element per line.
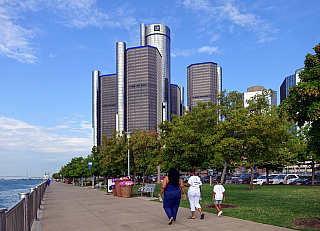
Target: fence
<point>20,216</point>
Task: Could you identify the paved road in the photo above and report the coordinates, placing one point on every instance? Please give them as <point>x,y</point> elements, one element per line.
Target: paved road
<point>69,208</point>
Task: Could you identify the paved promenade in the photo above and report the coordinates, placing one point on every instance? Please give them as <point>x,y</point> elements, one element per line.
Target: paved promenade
<point>68,208</point>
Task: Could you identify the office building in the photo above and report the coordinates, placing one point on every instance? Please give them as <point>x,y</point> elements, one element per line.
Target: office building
<point>204,82</point>
<point>158,35</point>
<point>289,82</point>
<point>108,103</point>
<point>103,106</point>
<point>120,86</point>
<point>176,100</point>
<point>95,108</point>
<point>144,92</point>
<point>255,90</point>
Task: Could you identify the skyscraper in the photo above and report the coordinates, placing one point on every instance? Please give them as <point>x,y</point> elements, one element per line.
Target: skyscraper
<point>95,108</point>
<point>108,103</point>
<point>289,82</point>
<point>256,90</point>
<point>120,86</point>
<point>203,83</point>
<point>143,80</point>
<point>175,100</point>
<point>158,35</point>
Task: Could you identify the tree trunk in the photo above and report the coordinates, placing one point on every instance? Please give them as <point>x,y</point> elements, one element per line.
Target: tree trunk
<point>313,170</point>
<point>224,170</point>
<point>267,174</point>
<point>251,179</point>
<point>134,177</point>
<point>105,181</point>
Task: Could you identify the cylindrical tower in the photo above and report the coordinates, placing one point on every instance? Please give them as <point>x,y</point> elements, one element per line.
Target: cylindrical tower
<point>182,101</point>
<point>95,107</point>
<point>120,69</point>
<point>143,34</point>
<point>158,35</point>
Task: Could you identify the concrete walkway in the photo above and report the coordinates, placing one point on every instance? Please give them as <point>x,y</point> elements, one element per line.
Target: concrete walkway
<point>69,208</point>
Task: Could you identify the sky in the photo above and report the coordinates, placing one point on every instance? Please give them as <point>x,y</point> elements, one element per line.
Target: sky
<point>49,48</point>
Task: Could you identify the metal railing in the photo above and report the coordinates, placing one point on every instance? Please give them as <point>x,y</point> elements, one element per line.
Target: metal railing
<point>21,216</point>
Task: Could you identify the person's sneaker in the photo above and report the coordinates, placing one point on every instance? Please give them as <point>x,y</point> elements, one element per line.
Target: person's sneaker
<point>219,214</point>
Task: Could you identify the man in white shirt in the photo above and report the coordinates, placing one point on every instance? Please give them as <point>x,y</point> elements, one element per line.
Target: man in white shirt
<point>194,184</point>
<point>218,195</point>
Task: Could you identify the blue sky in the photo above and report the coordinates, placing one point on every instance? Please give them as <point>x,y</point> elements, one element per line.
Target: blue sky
<point>49,48</point>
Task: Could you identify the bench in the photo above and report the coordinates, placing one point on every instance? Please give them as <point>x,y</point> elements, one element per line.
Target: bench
<point>98,185</point>
<point>147,188</point>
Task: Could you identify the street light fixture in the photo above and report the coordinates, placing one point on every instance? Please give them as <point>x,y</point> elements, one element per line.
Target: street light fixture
<point>128,136</point>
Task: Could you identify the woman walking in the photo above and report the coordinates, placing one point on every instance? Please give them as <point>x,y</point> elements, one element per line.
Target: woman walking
<point>194,184</point>
<point>172,194</point>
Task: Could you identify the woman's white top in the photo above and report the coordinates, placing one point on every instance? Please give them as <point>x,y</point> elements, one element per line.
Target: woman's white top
<point>195,183</point>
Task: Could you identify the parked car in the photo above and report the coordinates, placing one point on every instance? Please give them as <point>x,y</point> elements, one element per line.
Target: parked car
<point>285,179</point>
<point>245,178</point>
<point>263,179</point>
<point>306,180</point>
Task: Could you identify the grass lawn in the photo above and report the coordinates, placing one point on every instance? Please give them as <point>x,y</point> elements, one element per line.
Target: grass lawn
<point>276,205</point>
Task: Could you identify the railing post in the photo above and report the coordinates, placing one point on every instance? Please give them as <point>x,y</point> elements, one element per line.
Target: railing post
<point>34,205</point>
<point>26,210</point>
<point>3,219</point>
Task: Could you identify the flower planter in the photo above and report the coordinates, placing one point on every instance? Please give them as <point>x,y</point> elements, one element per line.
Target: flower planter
<point>114,191</point>
<point>119,194</point>
<point>126,191</point>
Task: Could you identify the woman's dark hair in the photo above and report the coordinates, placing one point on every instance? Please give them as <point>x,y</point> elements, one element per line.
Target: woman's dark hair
<point>173,176</point>
<point>191,170</point>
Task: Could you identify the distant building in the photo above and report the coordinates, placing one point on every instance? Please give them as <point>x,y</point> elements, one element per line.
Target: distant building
<point>143,80</point>
<point>158,35</point>
<point>108,103</point>
<point>204,83</point>
<point>289,82</point>
<point>176,100</point>
<point>255,90</point>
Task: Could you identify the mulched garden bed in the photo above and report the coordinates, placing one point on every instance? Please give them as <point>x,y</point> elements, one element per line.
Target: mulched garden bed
<point>310,223</point>
<point>223,206</point>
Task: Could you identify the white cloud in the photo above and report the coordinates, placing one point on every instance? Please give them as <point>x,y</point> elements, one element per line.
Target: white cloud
<point>27,147</point>
<point>208,49</point>
<point>209,13</point>
<point>16,40</point>
<point>188,52</point>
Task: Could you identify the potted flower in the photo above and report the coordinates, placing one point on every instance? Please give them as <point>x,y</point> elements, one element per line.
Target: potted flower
<point>126,188</point>
<point>114,191</point>
<point>116,181</point>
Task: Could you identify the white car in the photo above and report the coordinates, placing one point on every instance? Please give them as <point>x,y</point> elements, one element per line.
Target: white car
<point>263,179</point>
<point>285,179</point>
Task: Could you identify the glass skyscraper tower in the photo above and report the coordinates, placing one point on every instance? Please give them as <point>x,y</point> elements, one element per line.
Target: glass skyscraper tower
<point>158,35</point>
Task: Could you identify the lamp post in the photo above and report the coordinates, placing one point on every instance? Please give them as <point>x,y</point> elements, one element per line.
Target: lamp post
<point>128,136</point>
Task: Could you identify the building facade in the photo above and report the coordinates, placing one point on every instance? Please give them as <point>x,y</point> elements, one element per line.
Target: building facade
<point>176,102</point>
<point>95,108</point>
<point>289,82</point>
<point>158,35</point>
<point>256,90</point>
<point>144,92</point>
<point>203,83</point>
<point>108,105</point>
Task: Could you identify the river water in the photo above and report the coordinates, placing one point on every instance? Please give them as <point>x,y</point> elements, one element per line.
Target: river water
<point>10,189</point>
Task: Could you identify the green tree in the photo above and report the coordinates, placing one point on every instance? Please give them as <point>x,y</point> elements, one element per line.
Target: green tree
<point>226,140</point>
<point>144,150</point>
<point>303,102</point>
<point>182,140</point>
<point>113,153</point>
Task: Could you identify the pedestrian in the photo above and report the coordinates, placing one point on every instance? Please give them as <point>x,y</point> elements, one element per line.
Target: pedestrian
<point>48,182</point>
<point>172,194</point>
<point>194,185</point>
<point>218,195</point>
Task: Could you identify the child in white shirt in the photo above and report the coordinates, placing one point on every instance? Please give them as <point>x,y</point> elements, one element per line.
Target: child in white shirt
<point>218,195</point>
